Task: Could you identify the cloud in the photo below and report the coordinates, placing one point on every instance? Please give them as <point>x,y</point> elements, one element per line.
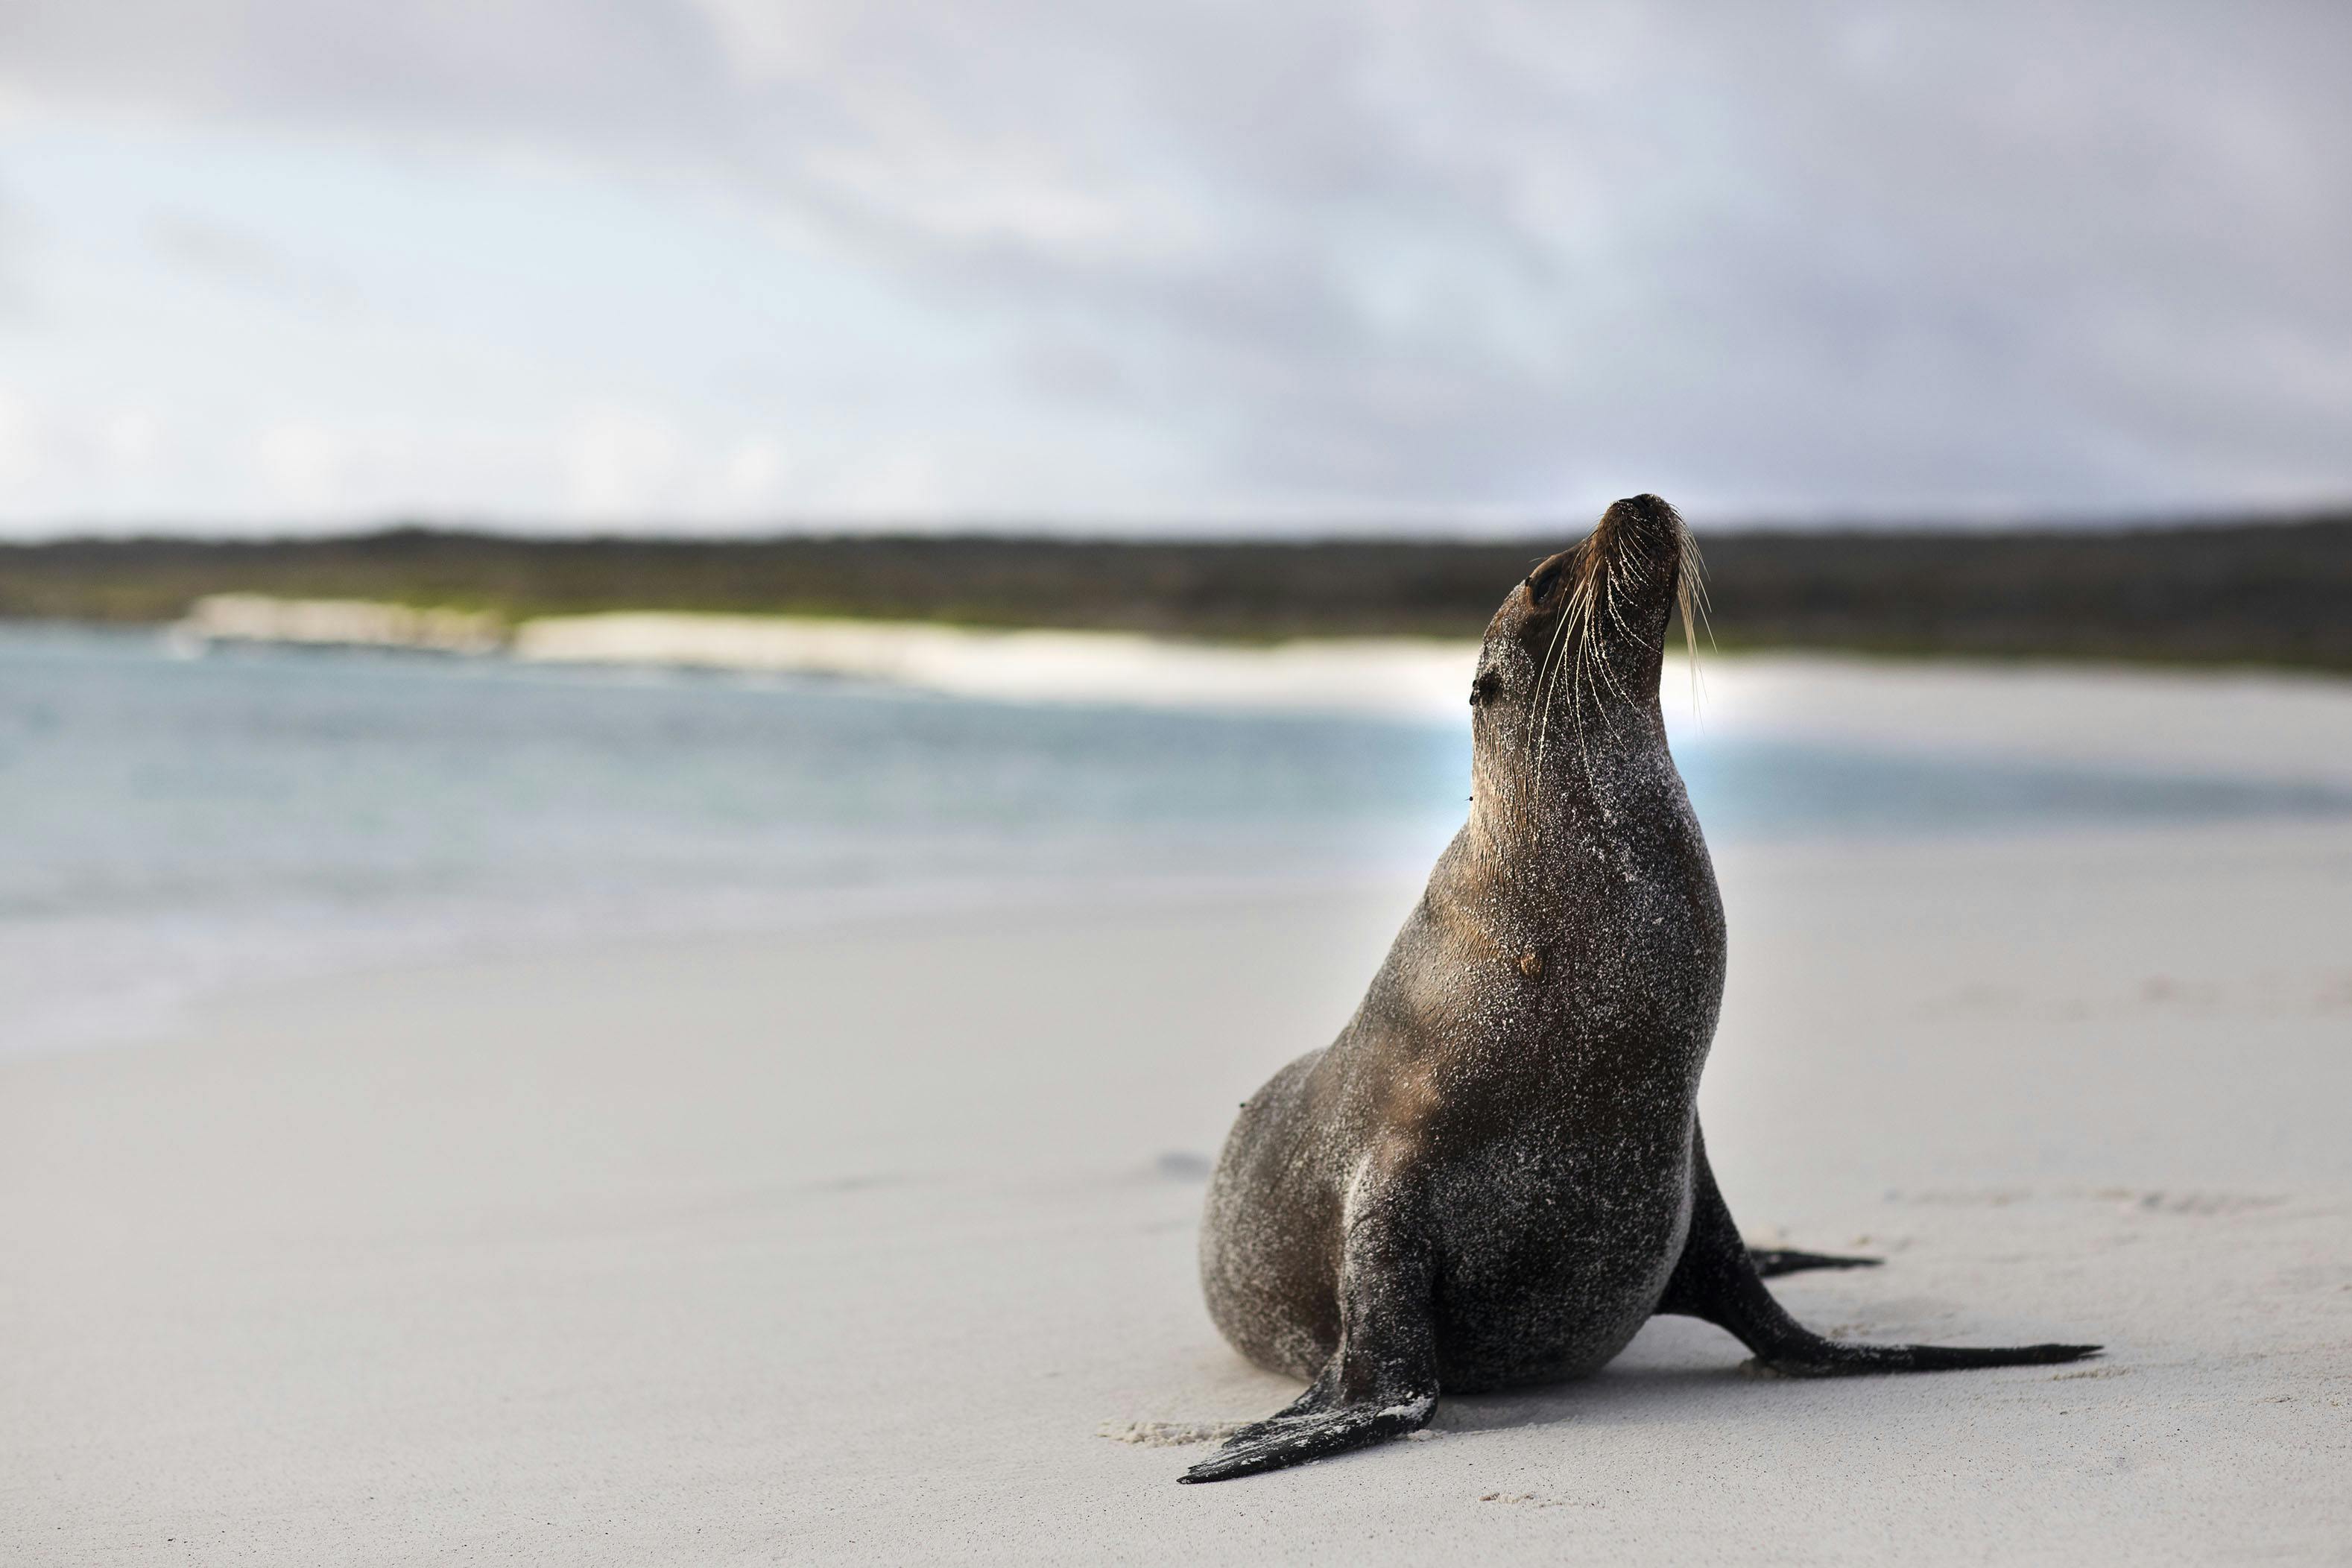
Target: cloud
<point>621,460</point>
<point>223,253</point>
<point>21,440</point>
<point>1445,258</point>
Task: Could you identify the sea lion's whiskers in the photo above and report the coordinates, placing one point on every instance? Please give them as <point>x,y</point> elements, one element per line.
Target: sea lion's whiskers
<point>1607,672</point>
<point>1579,607</point>
<point>1583,739</point>
<point>1547,680</point>
<point>1578,685</point>
<point>1592,657</point>
<point>1611,606</point>
<point>1560,625</point>
<point>1690,600</point>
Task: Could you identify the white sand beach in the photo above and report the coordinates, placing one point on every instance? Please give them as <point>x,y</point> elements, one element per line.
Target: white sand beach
<point>2255,724</point>
<point>874,1244</point>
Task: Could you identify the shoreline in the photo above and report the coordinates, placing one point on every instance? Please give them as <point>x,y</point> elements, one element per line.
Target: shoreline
<point>2278,734</point>
<point>2283,726</point>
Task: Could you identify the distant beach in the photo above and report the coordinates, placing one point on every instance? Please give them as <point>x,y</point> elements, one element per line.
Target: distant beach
<point>2226,721</point>
<point>2259,590</point>
<point>1411,675</point>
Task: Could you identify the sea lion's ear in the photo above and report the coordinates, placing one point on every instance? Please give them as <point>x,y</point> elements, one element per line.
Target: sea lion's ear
<point>1485,686</point>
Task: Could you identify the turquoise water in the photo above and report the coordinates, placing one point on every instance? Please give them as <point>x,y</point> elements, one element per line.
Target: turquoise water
<point>175,824</point>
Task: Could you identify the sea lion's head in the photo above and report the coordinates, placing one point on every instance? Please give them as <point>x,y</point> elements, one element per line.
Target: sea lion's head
<point>1580,641</point>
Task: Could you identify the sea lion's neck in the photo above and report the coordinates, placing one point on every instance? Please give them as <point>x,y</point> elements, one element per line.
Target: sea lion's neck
<point>1569,784</point>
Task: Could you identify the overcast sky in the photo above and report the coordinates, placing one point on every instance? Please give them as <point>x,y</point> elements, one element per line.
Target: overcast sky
<point>699,264</point>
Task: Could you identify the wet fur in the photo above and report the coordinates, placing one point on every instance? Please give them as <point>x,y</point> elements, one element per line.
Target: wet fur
<point>1539,1100</point>
<point>1494,1174</point>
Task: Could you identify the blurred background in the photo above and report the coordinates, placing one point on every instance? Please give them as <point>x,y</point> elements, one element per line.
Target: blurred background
<point>2015,331</point>
<point>687,687</point>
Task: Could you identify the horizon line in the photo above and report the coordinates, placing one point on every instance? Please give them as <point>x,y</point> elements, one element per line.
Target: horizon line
<point>1263,530</point>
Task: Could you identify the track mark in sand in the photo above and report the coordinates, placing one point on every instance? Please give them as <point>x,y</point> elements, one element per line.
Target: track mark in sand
<point>1168,1433</point>
<point>863,1183</point>
<point>2157,1201</point>
<point>1988,1197</point>
<point>2090,1372</point>
<point>1530,1500</point>
<point>1861,1330</point>
<point>1182,1165</point>
<point>2147,1199</point>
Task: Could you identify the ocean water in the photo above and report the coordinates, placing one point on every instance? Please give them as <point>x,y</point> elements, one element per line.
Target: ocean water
<point>174,825</point>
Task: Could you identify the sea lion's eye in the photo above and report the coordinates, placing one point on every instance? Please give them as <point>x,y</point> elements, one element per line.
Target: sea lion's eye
<point>1540,582</point>
<point>1484,687</point>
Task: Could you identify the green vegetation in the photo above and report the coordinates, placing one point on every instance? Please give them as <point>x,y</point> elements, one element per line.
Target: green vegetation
<point>2270,593</point>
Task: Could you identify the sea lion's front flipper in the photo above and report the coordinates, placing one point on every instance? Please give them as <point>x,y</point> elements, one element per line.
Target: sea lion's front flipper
<point>1311,1427</point>
<point>1717,1280</point>
<point>1771,1262</point>
<point>1382,1382</point>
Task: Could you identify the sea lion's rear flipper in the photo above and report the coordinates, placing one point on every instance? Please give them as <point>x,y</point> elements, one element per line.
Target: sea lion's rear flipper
<point>1771,1262</point>
<point>1382,1382</point>
<point>1718,1281</point>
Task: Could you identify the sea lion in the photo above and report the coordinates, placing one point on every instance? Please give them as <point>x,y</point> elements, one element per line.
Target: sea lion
<point>1496,1175</point>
